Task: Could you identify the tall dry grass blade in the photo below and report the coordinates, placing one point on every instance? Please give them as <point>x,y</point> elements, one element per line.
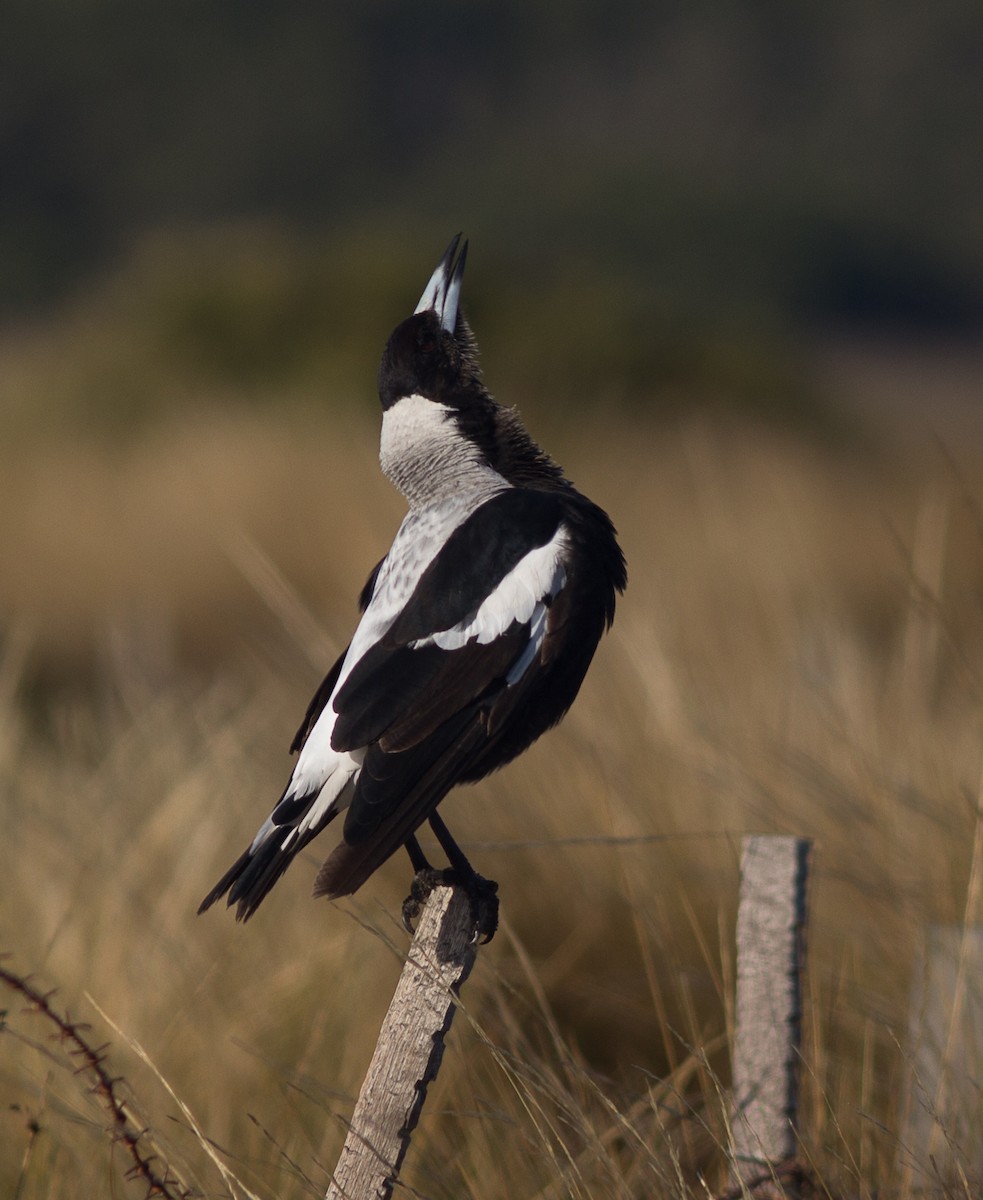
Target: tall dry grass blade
<point>922,634</point>
<point>273,587</point>
<point>232,1182</point>
<point>537,1092</point>
<point>969,954</point>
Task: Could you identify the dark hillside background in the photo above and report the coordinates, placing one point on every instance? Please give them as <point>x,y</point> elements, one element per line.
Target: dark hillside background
<point>673,192</point>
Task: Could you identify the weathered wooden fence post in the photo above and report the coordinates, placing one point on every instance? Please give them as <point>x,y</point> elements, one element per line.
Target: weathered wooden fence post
<point>771,923</point>
<point>408,1053</point>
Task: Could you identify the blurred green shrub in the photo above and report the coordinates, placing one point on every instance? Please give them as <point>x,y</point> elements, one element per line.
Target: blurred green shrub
<point>250,315</point>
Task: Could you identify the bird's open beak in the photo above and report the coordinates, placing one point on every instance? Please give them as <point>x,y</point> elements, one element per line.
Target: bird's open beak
<point>443,292</point>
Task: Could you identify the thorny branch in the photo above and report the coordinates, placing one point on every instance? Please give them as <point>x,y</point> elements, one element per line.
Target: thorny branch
<point>93,1061</point>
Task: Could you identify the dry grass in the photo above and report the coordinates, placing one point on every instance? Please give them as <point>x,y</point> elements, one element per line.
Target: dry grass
<point>801,650</point>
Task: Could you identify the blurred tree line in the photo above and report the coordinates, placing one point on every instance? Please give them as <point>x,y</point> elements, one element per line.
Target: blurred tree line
<point>629,171</point>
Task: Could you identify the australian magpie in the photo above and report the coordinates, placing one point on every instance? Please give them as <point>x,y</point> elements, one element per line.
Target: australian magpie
<point>476,632</point>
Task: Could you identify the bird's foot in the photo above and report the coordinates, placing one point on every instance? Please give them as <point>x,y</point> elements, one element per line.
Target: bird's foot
<point>482,895</point>
<point>424,882</point>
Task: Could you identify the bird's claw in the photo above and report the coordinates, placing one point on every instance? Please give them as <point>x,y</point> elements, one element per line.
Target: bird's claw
<point>482,895</point>
<point>424,882</point>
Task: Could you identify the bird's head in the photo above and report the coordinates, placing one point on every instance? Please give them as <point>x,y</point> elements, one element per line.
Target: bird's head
<point>440,424</point>
<point>433,353</point>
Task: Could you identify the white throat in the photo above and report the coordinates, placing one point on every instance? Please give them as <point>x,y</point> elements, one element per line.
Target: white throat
<point>427,457</point>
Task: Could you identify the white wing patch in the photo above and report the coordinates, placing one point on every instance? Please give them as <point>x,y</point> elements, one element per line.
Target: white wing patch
<point>522,596</point>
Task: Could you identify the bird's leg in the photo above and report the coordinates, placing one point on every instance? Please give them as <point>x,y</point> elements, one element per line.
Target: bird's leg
<point>417,857</point>
<point>424,881</point>
<point>481,892</point>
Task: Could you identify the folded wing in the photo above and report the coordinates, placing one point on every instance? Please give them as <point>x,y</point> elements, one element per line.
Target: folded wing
<point>390,732</point>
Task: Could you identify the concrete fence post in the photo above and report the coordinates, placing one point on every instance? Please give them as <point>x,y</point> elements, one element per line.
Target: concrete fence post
<point>771,925</point>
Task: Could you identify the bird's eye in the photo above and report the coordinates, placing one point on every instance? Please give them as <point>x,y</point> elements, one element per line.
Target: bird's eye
<point>426,343</point>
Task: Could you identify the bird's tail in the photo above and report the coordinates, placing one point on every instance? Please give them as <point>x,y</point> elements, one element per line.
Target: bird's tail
<point>258,868</point>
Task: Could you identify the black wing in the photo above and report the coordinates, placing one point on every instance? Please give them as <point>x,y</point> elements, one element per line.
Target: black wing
<point>399,672</point>
<point>423,712</point>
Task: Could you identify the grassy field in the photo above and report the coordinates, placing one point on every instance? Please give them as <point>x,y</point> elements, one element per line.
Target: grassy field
<point>800,651</point>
